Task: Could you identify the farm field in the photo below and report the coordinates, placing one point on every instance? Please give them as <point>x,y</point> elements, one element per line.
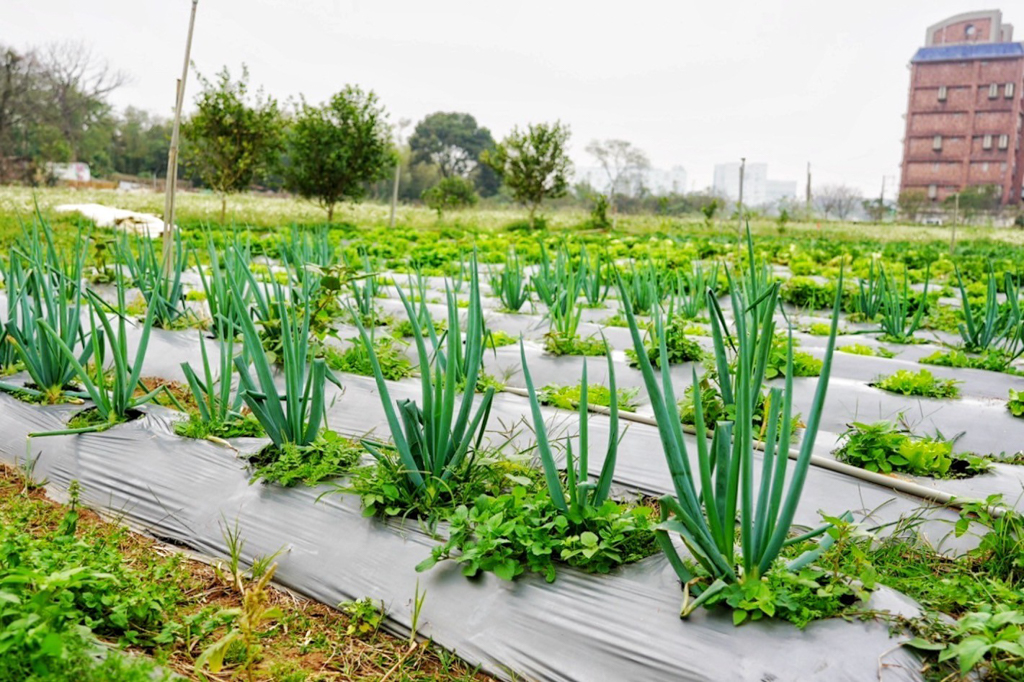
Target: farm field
<point>560,454</point>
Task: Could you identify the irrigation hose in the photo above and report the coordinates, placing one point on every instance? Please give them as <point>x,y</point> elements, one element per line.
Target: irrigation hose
<point>935,495</point>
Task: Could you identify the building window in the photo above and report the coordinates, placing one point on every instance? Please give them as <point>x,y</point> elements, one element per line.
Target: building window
<point>993,91</point>
<point>933,191</point>
<point>986,142</point>
<point>942,92</point>
<point>1008,90</point>
<point>984,167</point>
<point>937,143</point>
<point>1004,141</point>
<point>935,166</point>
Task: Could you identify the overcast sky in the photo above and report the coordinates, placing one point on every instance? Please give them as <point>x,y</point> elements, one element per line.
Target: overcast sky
<point>691,83</point>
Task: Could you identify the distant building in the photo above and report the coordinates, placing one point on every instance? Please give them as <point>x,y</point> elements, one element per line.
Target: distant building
<point>780,190</point>
<point>661,182</point>
<point>758,190</point>
<point>655,181</point>
<point>964,112</point>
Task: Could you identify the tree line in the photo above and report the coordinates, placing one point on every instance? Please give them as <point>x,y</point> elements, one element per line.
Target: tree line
<point>53,108</point>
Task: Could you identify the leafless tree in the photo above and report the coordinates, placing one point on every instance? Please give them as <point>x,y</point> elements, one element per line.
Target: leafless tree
<point>837,199</point>
<point>622,163</point>
<point>77,83</point>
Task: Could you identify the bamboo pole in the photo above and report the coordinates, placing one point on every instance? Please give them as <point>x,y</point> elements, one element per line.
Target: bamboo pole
<point>172,153</point>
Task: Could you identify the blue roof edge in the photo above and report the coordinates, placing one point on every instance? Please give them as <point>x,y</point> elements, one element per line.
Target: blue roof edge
<point>942,53</point>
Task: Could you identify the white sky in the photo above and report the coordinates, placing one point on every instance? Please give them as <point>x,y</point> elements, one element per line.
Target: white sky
<point>691,83</point>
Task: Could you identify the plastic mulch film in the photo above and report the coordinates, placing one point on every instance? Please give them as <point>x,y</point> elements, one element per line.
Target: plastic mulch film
<point>623,626</point>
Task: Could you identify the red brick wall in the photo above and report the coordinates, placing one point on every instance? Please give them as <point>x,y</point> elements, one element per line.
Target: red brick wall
<point>956,33</point>
<point>962,120</point>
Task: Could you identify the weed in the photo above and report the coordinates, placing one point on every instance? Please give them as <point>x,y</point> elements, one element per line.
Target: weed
<point>1015,404</point>
<point>327,457</point>
<point>921,383</point>
<point>861,349</point>
<point>993,360</point>
<point>568,397</point>
<point>884,447</point>
<point>355,359</point>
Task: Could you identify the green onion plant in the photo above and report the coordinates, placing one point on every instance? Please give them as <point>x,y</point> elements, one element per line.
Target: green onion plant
<point>114,394</point>
<point>897,322</point>
<point>291,416</point>
<point>720,499</point>
<point>162,291</point>
<point>215,400</point>
<point>51,370</point>
<point>594,279</point>
<point>979,333</point>
<point>644,289</point>
<point>227,279</point>
<point>510,284</point>
<point>435,441</point>
<point>364,291</point>
<point>870,293</point>
<point>582,493</point>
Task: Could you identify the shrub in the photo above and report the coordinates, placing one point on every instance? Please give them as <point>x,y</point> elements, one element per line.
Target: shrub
<point>450,193</point>
<point>921,383</point>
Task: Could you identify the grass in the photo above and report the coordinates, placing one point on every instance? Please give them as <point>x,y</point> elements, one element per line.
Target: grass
<point>159,604</point>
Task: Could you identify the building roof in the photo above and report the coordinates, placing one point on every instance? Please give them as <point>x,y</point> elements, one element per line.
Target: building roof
<point>948,53</point>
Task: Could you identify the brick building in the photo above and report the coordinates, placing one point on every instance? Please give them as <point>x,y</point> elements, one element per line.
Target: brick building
<point>964,113</point>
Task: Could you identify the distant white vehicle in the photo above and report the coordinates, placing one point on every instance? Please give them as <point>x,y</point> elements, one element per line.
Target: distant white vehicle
<point>70,172</point>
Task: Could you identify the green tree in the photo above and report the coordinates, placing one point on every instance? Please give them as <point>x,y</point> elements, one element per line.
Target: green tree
<point>911,202</point>
<point>337,148</point>
<point>533,164</point>
<point>453,142</point>
<point>450,193</point>
<point>139,145</point>
<point>974,200</point>
<point>233,140</point>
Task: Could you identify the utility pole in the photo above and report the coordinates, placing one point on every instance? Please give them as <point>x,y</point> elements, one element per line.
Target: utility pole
<point>398,171</point>
<point>739,204</point>
<point>956,219</point>
<point>172,153</point>
<point>881,201</point>
<point>807,200</point>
